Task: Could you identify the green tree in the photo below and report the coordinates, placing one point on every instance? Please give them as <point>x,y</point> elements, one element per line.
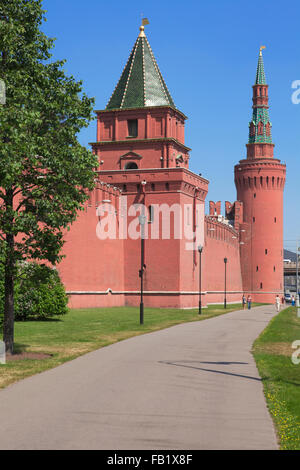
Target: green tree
<point>45,173</point>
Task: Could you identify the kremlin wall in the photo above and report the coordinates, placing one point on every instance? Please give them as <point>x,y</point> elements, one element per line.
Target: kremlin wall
<point>144,171</point>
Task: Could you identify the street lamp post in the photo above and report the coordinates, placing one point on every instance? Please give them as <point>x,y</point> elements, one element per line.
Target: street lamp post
<point>225,263</point>
<point>200,248</point>
<point>297,282</point>
<point>142,220</point>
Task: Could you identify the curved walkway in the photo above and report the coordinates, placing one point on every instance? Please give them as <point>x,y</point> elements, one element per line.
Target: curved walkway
<point>191,386</point>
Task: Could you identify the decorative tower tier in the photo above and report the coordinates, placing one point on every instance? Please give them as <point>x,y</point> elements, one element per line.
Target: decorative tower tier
<point>260,180</point>
<point>140,126</point>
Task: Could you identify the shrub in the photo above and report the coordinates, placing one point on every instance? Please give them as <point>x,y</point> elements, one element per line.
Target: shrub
<point>39,292</point>
<point>1,297</point>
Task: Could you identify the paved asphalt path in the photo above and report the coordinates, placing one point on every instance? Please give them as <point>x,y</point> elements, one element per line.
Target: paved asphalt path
<point>191,386</point>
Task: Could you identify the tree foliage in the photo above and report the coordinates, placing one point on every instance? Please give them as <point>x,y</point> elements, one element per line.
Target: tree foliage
<point>44,172</point>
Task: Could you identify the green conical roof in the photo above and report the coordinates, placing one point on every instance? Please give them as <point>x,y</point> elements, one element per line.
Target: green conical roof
<point>260,127</point>
<point>141,83</point>
<point>260,72</point>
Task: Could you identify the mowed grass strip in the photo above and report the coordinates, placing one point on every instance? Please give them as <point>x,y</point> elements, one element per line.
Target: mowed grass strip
<point>281,377</point>
<point>84,330</point>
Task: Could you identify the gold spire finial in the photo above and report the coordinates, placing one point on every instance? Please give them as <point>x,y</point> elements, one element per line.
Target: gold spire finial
<point>142,27</point>
<point>260,49</point>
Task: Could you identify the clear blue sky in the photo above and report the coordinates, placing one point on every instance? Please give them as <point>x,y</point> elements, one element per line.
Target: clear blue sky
<point>207,53</point>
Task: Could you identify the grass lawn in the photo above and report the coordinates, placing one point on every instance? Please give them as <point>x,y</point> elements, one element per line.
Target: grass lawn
<point>281,378</point>
<point>84,330</point>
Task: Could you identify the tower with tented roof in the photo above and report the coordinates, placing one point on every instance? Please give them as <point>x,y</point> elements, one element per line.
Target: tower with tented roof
<point>141,150</point>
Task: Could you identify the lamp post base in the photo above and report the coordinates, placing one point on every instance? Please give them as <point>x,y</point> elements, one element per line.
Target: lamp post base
<point>141,313</point>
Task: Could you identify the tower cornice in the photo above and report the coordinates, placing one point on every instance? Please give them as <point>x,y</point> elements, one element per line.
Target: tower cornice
<point>103,143</point>
<point>142,109</point>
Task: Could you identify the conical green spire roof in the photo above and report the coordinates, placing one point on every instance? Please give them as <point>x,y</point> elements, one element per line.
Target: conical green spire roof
<point>141,83</point>
<point>260,72</point>
<point>260,127</point>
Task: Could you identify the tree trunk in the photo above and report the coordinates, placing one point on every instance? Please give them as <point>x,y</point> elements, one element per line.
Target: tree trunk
<point>8,324</point>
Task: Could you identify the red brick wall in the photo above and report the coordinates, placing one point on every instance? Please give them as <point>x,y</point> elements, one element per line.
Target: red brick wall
<point>220,244</point>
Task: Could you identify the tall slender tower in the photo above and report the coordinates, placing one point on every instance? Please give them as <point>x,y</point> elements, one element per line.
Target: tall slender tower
<point>260,180</point>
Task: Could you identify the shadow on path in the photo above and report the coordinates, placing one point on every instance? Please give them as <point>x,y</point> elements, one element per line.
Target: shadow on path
<point>181,364</point>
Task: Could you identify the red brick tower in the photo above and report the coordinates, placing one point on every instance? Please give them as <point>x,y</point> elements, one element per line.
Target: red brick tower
<point>141,150</point>
<point>260,180</point>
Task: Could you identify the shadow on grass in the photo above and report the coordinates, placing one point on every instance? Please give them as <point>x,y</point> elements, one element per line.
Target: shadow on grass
<point>41,319</point>
<point>20,348</point>
<point>279,381</point>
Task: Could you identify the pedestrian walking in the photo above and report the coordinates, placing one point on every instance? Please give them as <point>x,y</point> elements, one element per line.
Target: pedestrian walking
<point>277,303</point>
<point>293,301</point>
<point>249,301</point>
<point>244,301</point>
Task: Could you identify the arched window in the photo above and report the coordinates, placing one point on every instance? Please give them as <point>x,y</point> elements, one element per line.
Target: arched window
<point>252,129</point>
<point>131,166</point>
<point>260,128</point>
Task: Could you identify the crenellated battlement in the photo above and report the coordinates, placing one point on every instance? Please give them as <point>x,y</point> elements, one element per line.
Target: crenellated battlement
<point>103,192</point>
<point>221,230</point>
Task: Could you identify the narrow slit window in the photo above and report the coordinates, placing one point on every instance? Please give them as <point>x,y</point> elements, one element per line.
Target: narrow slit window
<point>132,127</point>
<point>151,214</point>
